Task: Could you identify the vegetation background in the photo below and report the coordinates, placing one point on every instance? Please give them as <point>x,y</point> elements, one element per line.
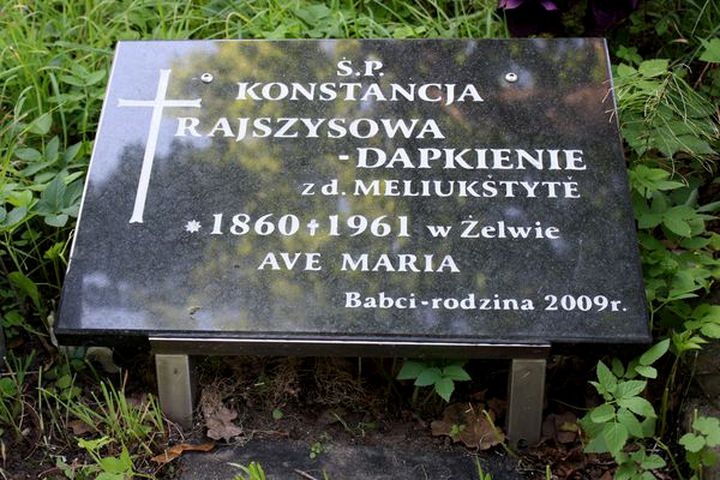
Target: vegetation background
<point>54,61</point>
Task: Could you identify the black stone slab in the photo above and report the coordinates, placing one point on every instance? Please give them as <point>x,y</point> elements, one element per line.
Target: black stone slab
<point>503,136</point>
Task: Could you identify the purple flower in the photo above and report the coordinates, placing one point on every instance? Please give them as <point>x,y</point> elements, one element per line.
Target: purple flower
<point>533,17</point>
<point>548,5</point>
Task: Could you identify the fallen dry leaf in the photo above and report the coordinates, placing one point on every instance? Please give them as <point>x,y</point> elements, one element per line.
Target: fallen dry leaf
<point>466,423</point>
<point>176,450</point>
<point>218,417</point>
<point>79,427</point>
<point>561,427</point>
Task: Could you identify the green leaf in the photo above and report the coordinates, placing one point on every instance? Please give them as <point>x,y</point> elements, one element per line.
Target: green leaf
<point>410,370</point>
<point>631,422</point>
<point>654,67</point>
<point>606,378</point>
<point>602,413</point>
<point>676,224</point>
<point>630,388</point>
<point>28,154</point>
<point>711,330</point>
<point>52,196</point>
<point>26,286</point>
<point>56,220</point>
<point>648,426</point>
<point>654,353</point>
<point>692,443</point>
<point>13,319</point>
<point>428,376</point>
<point>51,149</point>
<point>41,125</point>
<point>15,216</point>
<point>708,457</point>
<point>596,445</point>
<point>712,51</point>
<point>95,77</point>
<point>638,405</point>
<point>445,387</point>
<point>71,152</point>
<point>617,368</point>
<point>8,388</point>
<point>707,425</point>
<point>652,462</point>
<point>63,382</point>
<point>615,435</point>
<point>647,372</point>
<point>111,476</point>
<point>455,372</point>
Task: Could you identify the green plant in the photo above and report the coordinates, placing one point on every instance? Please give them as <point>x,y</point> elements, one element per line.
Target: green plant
<point>699,443</point>
<point>624,414</point>
<point>136,427</point>
<point>660,111</point>
<point>440,375</point>
<point>316,449</point>
<point>253,471</point>
<point>481,473</point>
<point>108,467</point>
<point>12,393</point>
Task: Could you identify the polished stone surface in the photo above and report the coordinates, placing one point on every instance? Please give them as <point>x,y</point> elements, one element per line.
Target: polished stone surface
<point>157,250</point>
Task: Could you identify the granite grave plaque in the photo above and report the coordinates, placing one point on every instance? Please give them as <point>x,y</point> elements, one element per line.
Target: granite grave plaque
<point>425,190</point>
<point>310,195</point>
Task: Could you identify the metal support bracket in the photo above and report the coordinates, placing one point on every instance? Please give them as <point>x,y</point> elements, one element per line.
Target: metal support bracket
<point>176,387</point>
<point>525,400</point>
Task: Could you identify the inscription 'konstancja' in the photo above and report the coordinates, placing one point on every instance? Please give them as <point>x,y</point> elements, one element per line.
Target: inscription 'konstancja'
<point>445,93</point>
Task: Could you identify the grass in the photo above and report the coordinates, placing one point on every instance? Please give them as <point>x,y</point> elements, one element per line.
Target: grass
<point>54,62</point>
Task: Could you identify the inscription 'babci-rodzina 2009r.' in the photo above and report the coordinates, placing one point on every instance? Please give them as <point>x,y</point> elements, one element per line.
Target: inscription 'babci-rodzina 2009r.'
<point>431,197</point>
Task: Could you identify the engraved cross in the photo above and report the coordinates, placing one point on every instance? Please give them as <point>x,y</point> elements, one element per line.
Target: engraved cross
<point>157,105</point>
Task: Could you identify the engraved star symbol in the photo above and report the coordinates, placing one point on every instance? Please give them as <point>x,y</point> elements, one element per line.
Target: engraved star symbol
<point>193,226</point>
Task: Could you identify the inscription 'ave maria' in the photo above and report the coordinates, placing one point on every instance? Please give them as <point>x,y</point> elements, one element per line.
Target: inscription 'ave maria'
<point>363,262</point>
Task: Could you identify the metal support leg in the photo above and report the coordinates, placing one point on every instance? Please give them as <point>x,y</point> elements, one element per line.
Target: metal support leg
<point>527,389</point>
<point>176,387</point>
